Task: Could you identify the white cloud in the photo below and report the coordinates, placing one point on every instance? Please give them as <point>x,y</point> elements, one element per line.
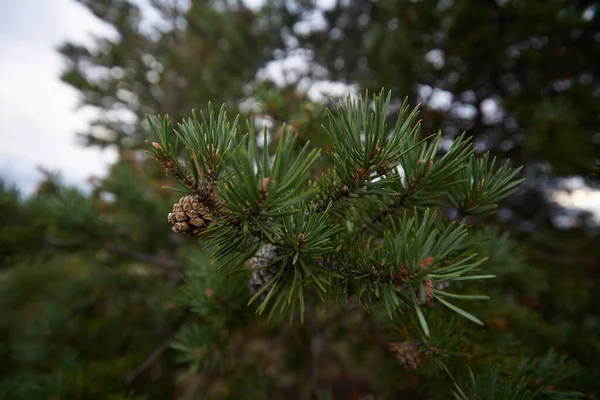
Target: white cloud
<point>582,198</point>
<point>38,119</point>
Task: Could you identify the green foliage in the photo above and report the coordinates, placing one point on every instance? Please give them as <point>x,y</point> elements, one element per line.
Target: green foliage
<point>382,229</point>
<point>490,386</point>
<point>532,379</point>
<point>478,187</point>
<point>77,331</point>
<point>367,231</point>
<point>261,200</point>
<point>21,230</point>
<point>324,254</point>
<point>203,139</point>
<point>547,373</point>
<point>275,188</point>
<point>362,143</point>
<point>503,253</point>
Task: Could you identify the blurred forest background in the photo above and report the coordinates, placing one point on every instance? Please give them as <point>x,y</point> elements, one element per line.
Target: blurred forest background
<point>89,281</point>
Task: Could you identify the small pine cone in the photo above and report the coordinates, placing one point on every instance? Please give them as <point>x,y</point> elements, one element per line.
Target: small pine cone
<point>190,216</point>
<point>408,353</point>
<point>263,273</point>
<point>384,167</point>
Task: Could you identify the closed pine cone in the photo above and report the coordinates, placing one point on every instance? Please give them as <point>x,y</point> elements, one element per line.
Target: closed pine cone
<point>408,353</point>
<point>262,273</point>
<point>190,216</point>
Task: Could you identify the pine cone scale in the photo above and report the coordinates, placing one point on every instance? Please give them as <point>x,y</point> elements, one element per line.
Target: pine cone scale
<point>192,214</point>
<point>197,222</point>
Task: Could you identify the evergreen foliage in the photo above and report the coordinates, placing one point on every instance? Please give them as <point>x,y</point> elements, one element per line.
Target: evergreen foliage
<point>263,201</point>
<point>313,249</point>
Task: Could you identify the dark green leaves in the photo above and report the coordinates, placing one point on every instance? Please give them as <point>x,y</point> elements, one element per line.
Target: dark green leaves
<point>490,385</point>
<point>425,177</point>
<point>364,146</point>
<point>208,141</point>
<point>416,254</point>
<point>478,187</point>
<point>258,197</point>
<point>269,187</point>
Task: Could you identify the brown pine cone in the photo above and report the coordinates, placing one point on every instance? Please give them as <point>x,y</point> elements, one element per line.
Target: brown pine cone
<point>384,167</point>
<point>408,353</point>
<point>190,216</point>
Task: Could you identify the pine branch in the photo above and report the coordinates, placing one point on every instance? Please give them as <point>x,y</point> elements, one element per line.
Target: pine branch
<point>271,199</point>
<point>333,198</point>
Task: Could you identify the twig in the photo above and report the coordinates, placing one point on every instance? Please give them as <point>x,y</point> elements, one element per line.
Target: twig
<point>160,350</point>
<point>399,202</point>
<point>331,199</point>
<point>165,263</point>
<point>155,355</point>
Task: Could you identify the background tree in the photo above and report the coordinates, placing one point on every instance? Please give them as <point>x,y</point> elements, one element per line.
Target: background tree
<point>534,60</point>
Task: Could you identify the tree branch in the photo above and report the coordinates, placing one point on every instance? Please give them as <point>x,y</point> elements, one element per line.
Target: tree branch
<point>155,355</point>
<point>390,209</point>
<point>165,263</point>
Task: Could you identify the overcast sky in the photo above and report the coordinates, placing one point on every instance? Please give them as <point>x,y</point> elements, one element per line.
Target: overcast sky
<point>38,116</point>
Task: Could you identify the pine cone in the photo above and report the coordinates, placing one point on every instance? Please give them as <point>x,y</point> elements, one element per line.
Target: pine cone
<point>408,353</point>
<point>262,274</point>
<point>384,167</point>
<point>190,216</point>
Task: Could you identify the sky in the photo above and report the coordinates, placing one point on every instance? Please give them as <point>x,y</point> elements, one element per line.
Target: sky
<point>38,115</point>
